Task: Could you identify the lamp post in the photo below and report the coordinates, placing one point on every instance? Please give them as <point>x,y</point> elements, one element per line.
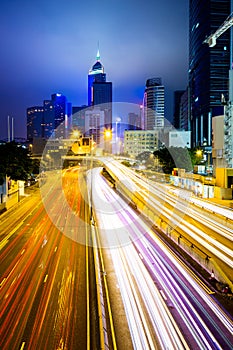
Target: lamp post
<point>199,155</point>
<point>118,120</point>
<point>107,138</point>
<point>91,190</point>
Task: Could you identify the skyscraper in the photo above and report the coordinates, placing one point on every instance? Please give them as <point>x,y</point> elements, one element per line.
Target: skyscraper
<point>153,104</point>
<point>51,119</point>
<point>48,119</point>
<point>184,113</point>
<point>176,115</point>
<point>208,66</point>
<point>57,113</point>
<point>35,121</point>
<point>78,118</point>
<point>96,74</point>
<point>100,91</point>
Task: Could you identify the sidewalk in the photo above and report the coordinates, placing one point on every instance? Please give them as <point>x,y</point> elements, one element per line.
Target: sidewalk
<point>223,202</point>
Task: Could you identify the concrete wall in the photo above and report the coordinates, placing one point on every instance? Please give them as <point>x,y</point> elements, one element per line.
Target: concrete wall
<point>222,193</point>
<point>222,175</point>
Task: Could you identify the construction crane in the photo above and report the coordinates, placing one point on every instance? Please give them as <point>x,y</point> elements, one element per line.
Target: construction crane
<point>211,40</point>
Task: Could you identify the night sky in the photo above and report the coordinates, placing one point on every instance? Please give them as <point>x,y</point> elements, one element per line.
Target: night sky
<point>49,46</point>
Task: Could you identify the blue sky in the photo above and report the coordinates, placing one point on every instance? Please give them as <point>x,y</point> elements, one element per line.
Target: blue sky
<point>49,46</point>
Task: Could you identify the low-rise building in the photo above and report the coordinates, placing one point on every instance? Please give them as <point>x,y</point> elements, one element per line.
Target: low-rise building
<point>180,138</point>
<point>139,141</point>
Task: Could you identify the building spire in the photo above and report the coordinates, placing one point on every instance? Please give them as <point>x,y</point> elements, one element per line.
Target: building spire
<point>98,53</point>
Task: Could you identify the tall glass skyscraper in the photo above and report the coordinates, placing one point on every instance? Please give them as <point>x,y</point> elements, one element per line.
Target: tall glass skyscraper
<point>51,119</point>
<point>35,121</point>
<point>153,104</point>
<point>96,74</point>
<point>100,91</point>
<point>208,66</point>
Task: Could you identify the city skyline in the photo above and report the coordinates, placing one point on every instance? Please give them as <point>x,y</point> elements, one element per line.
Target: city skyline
<point>50,47</point>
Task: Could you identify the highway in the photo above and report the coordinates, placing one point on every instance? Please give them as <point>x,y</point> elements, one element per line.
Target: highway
<point>45,297</point>
<point>167,307</point>
<point>208,230</point>
<point>48,286</point>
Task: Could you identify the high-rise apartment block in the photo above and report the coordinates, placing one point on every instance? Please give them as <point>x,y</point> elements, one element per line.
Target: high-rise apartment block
<point>153,104</point>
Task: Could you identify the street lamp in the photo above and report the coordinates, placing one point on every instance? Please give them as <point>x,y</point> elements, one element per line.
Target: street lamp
<point>107,133</point>
<point>199,156</point>
<point>107,138</point>
<point>91,189</point>
<point>75,134</point>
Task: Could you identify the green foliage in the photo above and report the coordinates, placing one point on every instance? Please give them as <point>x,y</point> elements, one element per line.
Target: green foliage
<point>196,155</point>
<point>15,162</point>
<point>35,166</point>
<point>143,156</point>
<point>174,157</point>
<point>125,163</point>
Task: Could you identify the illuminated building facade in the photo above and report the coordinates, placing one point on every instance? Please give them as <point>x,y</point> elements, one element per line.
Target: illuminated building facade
<point>35,122</point>
<point>139,141</point>
<point>96,75</point>
<point>153,104</point>
<point>57,115</point>
<point>51,119</point>
<point>100,91</point>
<point>94,124</point>
<point>208,66</point>
<point>177,100</point>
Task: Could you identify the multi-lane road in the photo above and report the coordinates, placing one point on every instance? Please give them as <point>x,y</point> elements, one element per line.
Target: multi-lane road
<point>207,229</point>
<point>44,293</point>
<point>48,284</point>
<point>166,305</point>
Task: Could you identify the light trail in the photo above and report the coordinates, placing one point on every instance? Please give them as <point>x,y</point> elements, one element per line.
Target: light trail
<point>140,330</point>
<point>216,248</point>
<point>204,326</point>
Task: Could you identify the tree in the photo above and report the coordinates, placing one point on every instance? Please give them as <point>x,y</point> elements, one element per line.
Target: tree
<point>143,156</point>
<point>15,162</point>
<point>126,163</point>
<point>174,157</point>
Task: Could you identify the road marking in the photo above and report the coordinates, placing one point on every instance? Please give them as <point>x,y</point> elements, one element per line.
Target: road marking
<point>163,295</point>
<point>3,281</point>
<point>45,279</point>
<point>195,277</point>
<point>22,346</point>
<point>6,239</point>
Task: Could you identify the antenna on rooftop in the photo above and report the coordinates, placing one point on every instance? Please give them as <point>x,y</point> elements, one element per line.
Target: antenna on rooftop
<point>8,128</point>
<point>12,129</point>
<point>98,51</point>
